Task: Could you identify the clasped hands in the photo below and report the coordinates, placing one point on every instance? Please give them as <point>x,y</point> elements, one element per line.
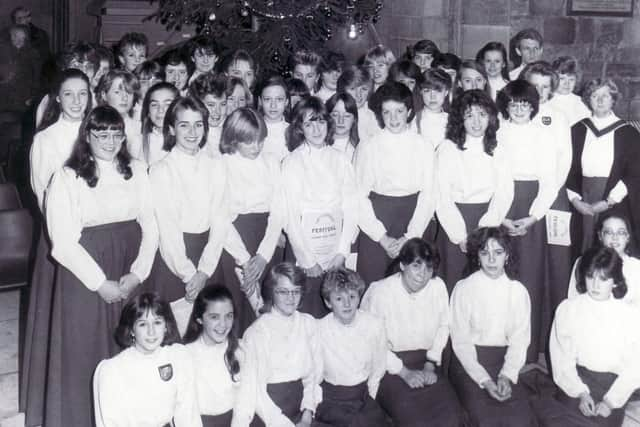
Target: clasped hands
<point>113,291</point>
<point>590,208</point>
<point>499,390</point>
<point>518,227</point>
<point>589,408</point>
<point>416,378</point>
<point>392,246</point>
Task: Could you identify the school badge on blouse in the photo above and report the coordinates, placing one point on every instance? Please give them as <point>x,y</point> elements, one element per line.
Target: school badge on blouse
<point>166,372</point>
<point>546,120</point>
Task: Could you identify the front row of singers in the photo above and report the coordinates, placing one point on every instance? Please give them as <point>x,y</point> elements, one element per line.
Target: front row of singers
<point>380,357</point>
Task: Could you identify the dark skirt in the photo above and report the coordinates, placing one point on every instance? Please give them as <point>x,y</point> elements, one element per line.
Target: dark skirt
<point>483,410</point>
<point>251,228</point>
<point>453,260</point>
<point>395,213</point>
<point>82,325</point>
<point>349,406</point>
<point>312,302</point>
<point>530,253</point>
<point>564,410</point>
<point>36,342</point>
<point>222,420</point>
<point>592,191</point>
<point>169,286</point>
<point>288,397</point>
<point>411,407</point>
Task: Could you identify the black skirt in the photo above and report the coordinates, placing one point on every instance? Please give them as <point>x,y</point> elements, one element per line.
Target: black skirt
<point>222,420</point>
<point>82,325</point>
<point>288,397</point>
<point>349,406</point>
<point>593,191</point>
<point>395,213</point>
<point>483,410</point>
<point>411,407</point>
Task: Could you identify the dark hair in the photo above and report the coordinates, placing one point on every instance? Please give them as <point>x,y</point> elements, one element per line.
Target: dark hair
<point>78,52</point>
<point>104,53</point>
<point>81,159</point>
<point>351,107</point>
<point>435,79</point>
<point>340,280</point>
<point>204,43</point>
<point>498,47</point>
<point>455,126</point>
<point>446,60</point>
<point>353,77</point>
<point>567,65</point>
<point>391,91</point>
<point>147,124</point>
<point>410,70</point>
<point>176,57</point>
<point>518,91</point>
<point>419,249</point>
<point>594,85</point>
<point>15,11</point>
<point>472,64</point>
<point>240,55</point>
<point>137,308</point>
<point>129,81</point>
<point>305,57</point>
<point>274,80</point>
<point>542,68</point>
<point>332,61</point>
<point>604,217</point>
<point>603,260</point>
<point>284,269</point>
<point>296,87</point>
<point>478,240</point>
<point>422,46</point>
<point>313,107</point>
<point>233,82</point>
<point>244,125</point>
<point>131,39</point>
<point>149,69</point>
<point>527,33</point>
<point>52,110</point>
<point>210,294</point>
<point>182,104</point>
<point>209,84</point>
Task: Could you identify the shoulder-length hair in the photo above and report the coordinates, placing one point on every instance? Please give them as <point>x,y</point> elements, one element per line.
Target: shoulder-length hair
<point>211,294</point>
<point>392,91</point>
<point>129,81</point>
<point>139,307</point>
<point>603,261</point>
<point>243,126</point>
<point>434,79</point>
<point>313,109</point>
<point>240,55</point>
<point>351,107</point>
<point>478,239</point>
<point>147,124</point>
<point>518,91</point>
<point>52,110</point>
<point>287,270</point>
<point>463,103</point>
<point>178,105</point>
<point>82,161</point>
<point>353,77</point>
<point>233,82</point>
<point>495,47</point>
<point>472,64</point>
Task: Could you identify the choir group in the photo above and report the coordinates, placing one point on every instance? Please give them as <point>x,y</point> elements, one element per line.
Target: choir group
<point>199,218</point>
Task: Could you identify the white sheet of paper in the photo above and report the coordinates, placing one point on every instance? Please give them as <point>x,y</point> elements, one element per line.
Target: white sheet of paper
<point>558,227</point>
<point>322,231</point>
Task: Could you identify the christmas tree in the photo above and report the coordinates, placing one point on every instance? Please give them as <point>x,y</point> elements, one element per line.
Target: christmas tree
<point>270,30</point>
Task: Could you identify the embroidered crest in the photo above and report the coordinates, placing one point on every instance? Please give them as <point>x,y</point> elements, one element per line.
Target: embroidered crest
<point>166,372</point>
<point>546,120</point>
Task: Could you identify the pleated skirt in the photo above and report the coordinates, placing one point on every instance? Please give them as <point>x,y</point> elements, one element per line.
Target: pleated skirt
<point>82,325</point>
<point>349,406</point>
<point>288,397</point>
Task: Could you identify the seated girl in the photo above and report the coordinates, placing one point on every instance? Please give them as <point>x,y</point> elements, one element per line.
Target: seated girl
<point>594,344</point>
<point>353,355</point>
<point>151,382</point>
<point>225,394</point>
<point>283,342</point>
<point>414,307</point>
<point>490,334</point>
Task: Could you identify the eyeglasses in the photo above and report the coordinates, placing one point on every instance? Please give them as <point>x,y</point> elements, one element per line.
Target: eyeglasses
<point>288,292</point>
<point>619,233</point>
<point>106,137</point>
<point>521,106</point>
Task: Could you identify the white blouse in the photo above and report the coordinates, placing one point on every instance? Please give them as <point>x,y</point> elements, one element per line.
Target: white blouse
<point>154,153</point>
<point>515,73</point>
<point>216,391</point>
<point>572,107</point>
<point>72,205</point>
<point>490,312</point>
<point>324,94</point>
<point>344,147</point>
<point>368,126</point>
<point>558,126</point>
<point>318,180</point>
<point>600,336</point>
<point>412,320</point>
<point>275,143</point>
<point>254,186</point>
<point>530,152</point>
<point>496,85</point>
<point>134,389</point>
<point>471,176</point>
<point>51,148</point>
<point>189,197</point>
<point>433,126</point>
<point>352,354</point>
<point>212,146</point>
<point>133,131</point>
<point>395,165</point>
<point>285,348</point>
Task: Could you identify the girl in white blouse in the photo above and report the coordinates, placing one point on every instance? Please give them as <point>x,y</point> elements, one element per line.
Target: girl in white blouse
<point>104,236</point>
<point>257,210</point>
<point>414,307</point>
<point>356,81</point>
<point>211,90</point>
<point>189,199</point>
<point>152,382</point>
<point>51,148</point>
<point>283,344</point>
<point>321,196</point>
<point>344,111</point>
<point>531,153</point>
<point>353,355</point>
<point>493,56</point>
<point>154,108</point>
<point>238,94</point>
<point>475,188</point>
<point>273,102</point>
<point>564,98</point>
<point>594,344</point>
<point>432,116</point>
<point>225,394</point>
<point>394,171</point>
<point>119,89</point>
<point>490,333</point>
